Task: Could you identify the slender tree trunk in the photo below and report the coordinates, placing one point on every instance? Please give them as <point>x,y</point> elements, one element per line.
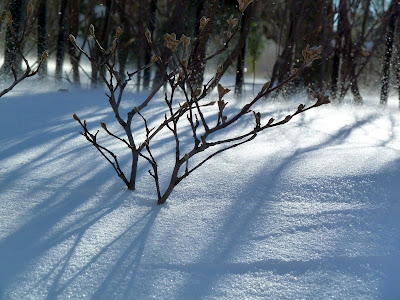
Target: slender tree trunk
<point>148,54</point>
<point>317,31</point>
<point>11,57</point>
<point>387,61</point>
<point>336,61</point>
<point>139,66</point>
<point>174,24</point>
<point>123,51</point>
<point>200,48</point>
<point>103,38</point>
<point>61,39</point>
<point>250,11</point>
<point>397,70</point>
<point>284,64</point>
<point>349,72</point>
<point>74,57</point>
<point>241,62</point>
<point>140,56</point>
<point>327,31</point>
<point>42,35</point>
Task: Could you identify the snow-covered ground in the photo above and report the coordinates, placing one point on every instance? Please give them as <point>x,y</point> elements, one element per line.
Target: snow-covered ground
<point>309,210</point>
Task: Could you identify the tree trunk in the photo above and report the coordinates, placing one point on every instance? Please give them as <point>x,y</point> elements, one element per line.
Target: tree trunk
<point>61,39</point>
<point>174,24</point>
<point>327,32</point>
<point>284,64</point>
<point>397,70</point>
<point>11,58</point>
<point>42,35</point>
<point>317,31</point>
<point>350,60</point>
<point>139,66</point>
<point>387,61</point>
<point>124,40</point>
<point>241,62</point>
<point>148,54</point>
<point>336,61</point>
<point>74,8</point>
<point>103,38</point>
<point>200,48</point>
<point>250,11</point>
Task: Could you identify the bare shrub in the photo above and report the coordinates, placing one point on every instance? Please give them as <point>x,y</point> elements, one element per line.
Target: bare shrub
<point>191,113</point>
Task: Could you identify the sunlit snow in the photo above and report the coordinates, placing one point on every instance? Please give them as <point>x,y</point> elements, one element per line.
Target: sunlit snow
<point>309,210</point>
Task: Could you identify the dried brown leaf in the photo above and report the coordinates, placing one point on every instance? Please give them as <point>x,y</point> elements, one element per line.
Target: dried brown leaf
<point>243,4</point>
<point>203,22</point>
<point>171,42</point>
<point>222,91</point>
<point>148,35</point>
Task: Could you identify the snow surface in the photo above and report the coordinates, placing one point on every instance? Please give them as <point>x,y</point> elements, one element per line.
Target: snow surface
<point>309,210</point>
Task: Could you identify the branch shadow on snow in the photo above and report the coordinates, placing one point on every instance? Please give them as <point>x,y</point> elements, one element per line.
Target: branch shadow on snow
<point>366,215</point>
<point>67,195</point>
<point>87,234</point>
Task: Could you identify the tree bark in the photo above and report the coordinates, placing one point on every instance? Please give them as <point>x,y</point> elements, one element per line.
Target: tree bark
<point>284,64</point>
<point>61,39</point>
<point>174,24</point>
<point>387,60</point>
<point>200,48</point>
<point>241,42</point>
<point>241,61</point>
<point>336,61</point>
<point>349,60</point>
<point>148,54</point>
<point>103,38</point>
<point>74,9</point>
<point>42,35</point>
<point>11,57</point>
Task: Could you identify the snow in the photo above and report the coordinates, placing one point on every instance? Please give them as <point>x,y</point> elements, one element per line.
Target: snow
<point>309,210</point>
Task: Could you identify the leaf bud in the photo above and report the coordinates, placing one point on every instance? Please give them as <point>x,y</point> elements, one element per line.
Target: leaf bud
<point>153,59</point>
<point>196,92</point>
<point>91,30</point>
<point>9,19</point>
<point>185,40</point>
<point>287,119</point>
<point>243,4</point>
<point>220,69</point>
<point>148,35</point>
<point>76,117</point>
<point>232,21</point>
<point>29,9</point>
<point>257,115</point>
<point>300,108</point>
<point>171,42</point>
<point>118,32</point>
<point>266,86</point>
<point>203,22</point>
<point>72,39</point>
<point>45,55</point>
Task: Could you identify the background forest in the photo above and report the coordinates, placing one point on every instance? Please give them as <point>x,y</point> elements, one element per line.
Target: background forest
<point>268,198</point>
<point>358,38</point>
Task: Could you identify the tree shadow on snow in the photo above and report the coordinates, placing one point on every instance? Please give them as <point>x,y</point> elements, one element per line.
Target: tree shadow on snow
<point>64,246</point>
<point>67,194</point>
<point>366,211</point>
